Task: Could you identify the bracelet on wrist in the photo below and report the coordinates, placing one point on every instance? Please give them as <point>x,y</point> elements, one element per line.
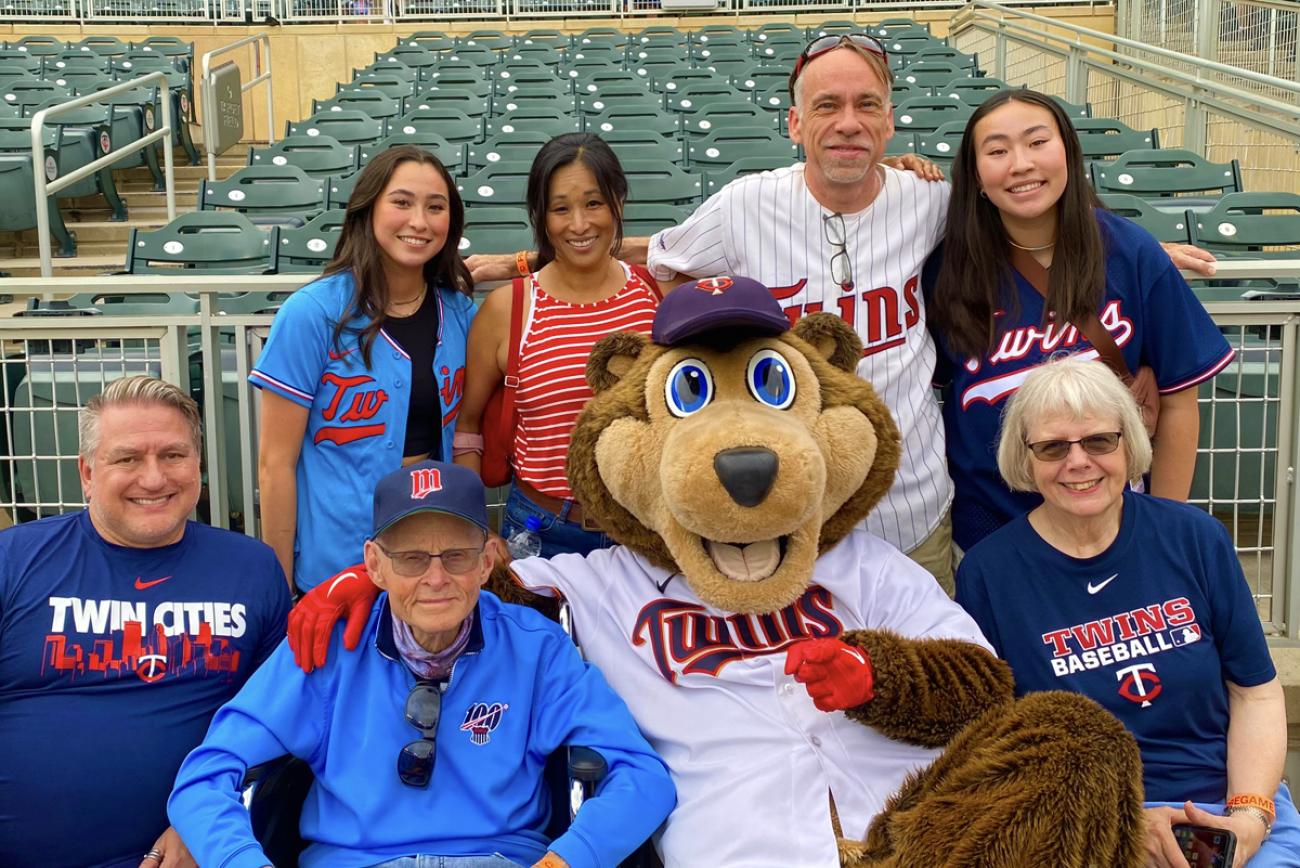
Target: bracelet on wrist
<point>1263,803</point>
<point>521,263</point>
<point>1257,813</point>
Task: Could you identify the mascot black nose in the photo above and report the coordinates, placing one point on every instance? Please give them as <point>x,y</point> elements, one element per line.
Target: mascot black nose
<point>747,473</point>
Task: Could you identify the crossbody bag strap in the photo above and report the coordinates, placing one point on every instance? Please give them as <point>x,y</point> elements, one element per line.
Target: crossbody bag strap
<point>1092,329</point>
<point>648,279</point>
<point>516,338</point>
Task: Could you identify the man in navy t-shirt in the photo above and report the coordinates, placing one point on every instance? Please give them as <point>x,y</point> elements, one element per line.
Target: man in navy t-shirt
<point>123,627</point>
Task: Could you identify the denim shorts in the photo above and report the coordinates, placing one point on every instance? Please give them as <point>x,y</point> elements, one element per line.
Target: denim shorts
<point>558,535</point>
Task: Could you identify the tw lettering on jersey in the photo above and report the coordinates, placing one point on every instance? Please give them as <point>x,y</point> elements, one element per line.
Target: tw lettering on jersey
<point>685,640</point>
<point>353,402</point>
<point>1033,342</point>
<point>1122,637</point>
<point>881,316</point>
<point>120,638</point>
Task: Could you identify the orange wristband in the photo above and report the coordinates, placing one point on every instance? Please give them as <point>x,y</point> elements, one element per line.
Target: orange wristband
<point>521,263</point>
<point>1250,800</point>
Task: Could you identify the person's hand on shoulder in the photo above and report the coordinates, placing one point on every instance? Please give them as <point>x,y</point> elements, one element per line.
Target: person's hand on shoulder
<point>1188,257</point>
<point>349,593</point>
<point>915,164</point>
<point>169,851</point>
<point>489,267</point>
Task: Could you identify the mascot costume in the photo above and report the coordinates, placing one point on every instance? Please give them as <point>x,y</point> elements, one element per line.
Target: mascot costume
<point>817,697</point>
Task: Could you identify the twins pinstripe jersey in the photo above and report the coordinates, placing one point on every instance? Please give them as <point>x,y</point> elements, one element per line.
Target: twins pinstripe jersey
<point>752,757</point>
<point>769,227</point>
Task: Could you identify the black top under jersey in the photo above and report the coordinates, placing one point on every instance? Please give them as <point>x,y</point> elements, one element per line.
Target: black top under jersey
<point>418,335</point>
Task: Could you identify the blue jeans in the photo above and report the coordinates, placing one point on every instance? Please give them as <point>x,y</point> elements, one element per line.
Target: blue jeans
<point>558,534</point>
<point>1282,848</point>
<point>496,860</point>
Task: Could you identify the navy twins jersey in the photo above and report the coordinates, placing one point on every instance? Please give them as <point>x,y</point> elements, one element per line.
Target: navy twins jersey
<point>1151,628</point>
<point>709,690</point>
<point>112,663</point>
<point>1148,309</point>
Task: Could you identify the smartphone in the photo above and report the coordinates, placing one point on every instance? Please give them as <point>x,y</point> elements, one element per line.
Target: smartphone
<point>1205,846</point>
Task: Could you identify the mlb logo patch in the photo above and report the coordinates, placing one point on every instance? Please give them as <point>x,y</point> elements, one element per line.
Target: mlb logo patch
<point>1185,635</point>
<point>481,719</point>
<point>425,481</point>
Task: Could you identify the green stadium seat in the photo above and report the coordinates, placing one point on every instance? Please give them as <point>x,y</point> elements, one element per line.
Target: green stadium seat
<point>453,98</point>
<point>212,242</point>
<point>18,194</point>
<point>626,117</point>
<point>661,181</point>
<point>477,55</point>
<point>592,58</point>
<point>947,54</point>
<point>519,146</point>
<point>1165,172</point>
<point>348,127</point>
<point>496,230</point>
<point>40,45</point>
<point>104,46</point>
<point>901,92</point>
<point>900,143</point>
<point>659,34</point>
<point>690,98</point>
<point>725,145</point>
<point>392,85</point>
<point>430,40</point>
<point>1252,225</point>
<point>550,121</point>
<point>395,69</point>
<point>930,73</point>
<point>308,248</point>
<point>657,72</point>
<point>733,113</point>
<point>544,36</point>
<point>415,58</point>
<point>826,28</point>
<point>683,78</point>
<point>592,80</point>
<point>776,98</point>
<point>941,145</point>
<point>26,95</point>
<point>535,97</point>
<point>317,156</point>
<point>86,134</point>
<point>972,91</point>
<point>74,59</point>
<point>508,81</point>
<point>494,40</point>
<point>646,218</point>
<point>715,181</point>
<point>644,145</point>
<point>452,124</point>
<point>546,54</point>
<point>767,32</point>
<point>724,33</point>
<point>498,184</point>
<point>338,190</point>
<point>15,61</point>
<point>619,95</point>
<point>887,26</point>
<point>1106,138</point>
<point>725,61</point>
<point>758,78</point>
<point>602,36</point>
<point>456,79</point>
<point>1167,226</point>
<point>450,154</point>
<point>1072,109</point>
<point>181,53</point>
<point>264,191</point>
<point>377,105</point>
<point>927,114</point>
<point>779,51</point>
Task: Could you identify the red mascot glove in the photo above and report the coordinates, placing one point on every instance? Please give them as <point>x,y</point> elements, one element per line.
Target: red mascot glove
<point>837,675</point>
<point>349,594</point>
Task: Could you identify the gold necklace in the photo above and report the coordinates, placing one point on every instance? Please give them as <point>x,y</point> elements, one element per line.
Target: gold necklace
<point>399,305</point>
<point>1047,246</point>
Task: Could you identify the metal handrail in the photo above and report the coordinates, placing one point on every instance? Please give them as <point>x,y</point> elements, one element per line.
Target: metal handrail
<point>261,48</point>
<point>970,12</point>
<point>45,188</point>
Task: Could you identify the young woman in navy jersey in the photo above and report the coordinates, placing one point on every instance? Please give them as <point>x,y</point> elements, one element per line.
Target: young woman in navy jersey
<point>580,292</point>
<point>364,368</point>
<point>1031,263</point>
<point>1140,603</point>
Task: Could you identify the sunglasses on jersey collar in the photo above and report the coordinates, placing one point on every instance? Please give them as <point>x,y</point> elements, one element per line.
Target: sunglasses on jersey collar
<point>830,42</point>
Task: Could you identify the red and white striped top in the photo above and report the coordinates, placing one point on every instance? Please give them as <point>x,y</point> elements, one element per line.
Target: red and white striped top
<point>558,337</point>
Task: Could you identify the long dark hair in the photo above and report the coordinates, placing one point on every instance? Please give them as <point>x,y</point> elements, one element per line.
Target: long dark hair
<point>594,153</point>
<point>359,253</point>
<point>976,267</point>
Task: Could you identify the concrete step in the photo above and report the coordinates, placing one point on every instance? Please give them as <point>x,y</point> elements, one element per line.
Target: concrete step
<point>78,265</point>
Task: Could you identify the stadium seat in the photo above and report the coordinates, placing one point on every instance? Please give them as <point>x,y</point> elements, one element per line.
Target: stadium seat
<point>733,113</point>
<point>348,127</point>
<point>458,99</point>
<point>602,36</point>
<point>780,50</point>
<point>452,124</point>
<point>592,80</point>
<point>758,78</point>
<point>619,94</point>
<point>1167,226</point>
<point>317,156</point>
<point>477,55</point>
<point>390,84</point>
<point>40,45</point>
<point>519,146</point>
<point>769,31</point>
<point>632,118</point>
<point>509,81</point>
<point>496,40</point>
<point>690,98</point>
<point>887,26</point>
<point>683,78</point>
<point>900,143</point>
<point>453,155</point>
<point>592,58</point>
<point>498,184</point>
<point>948,54</point>
<point>930,73</point>
<point>496,230</point>
<point>725,145</point>
<point>1073,110</point>
<point>375,104</point>
<point>552,122</point>
<point>535,97</point>
<point>941,145</point>
<point>645,218</point>
<point>645,145</point>
<point>74,59</point>
<point>209,241</point>
<point>972,91</point>
<point>397,70</point>
<point>85,134</point>
<point>544,36</point>
<point>1165,172</point>
<point>458,79</point>
<point>729,34</point>
<point>725,61</point>
<point>776,98</point>
<point>18,194</point>
<point>546,54</point>
<point>1252,225</point>
<point>264,190</point>
<point>827,28</point>
<point>27,94</point>
<point>430,40</point>
<point>1105,138</point>
<point>412,58</point>
<point>307,249</point>
<point>659,181</point>
<point>338,190</point>
<point>716,180</point>
<point>104,46</point>
<point>927,114</point>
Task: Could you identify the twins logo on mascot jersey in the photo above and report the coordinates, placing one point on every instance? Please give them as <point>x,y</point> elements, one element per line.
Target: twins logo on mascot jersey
<point>481,719</point>
<point>685,640</point>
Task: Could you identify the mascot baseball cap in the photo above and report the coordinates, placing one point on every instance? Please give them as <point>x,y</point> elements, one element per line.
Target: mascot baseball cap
<point>430,486</point>
<point>707,304</point>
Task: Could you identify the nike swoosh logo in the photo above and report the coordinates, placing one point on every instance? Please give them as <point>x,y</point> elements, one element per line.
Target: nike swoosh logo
<point>1092,589</point>
<point>141,585</point>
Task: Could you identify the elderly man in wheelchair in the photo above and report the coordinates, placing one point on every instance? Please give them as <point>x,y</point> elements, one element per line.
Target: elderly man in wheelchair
<point>428,748</point>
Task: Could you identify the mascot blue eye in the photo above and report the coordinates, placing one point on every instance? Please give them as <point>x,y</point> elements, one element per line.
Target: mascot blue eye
<point>770,380</point>
<point>689,387</point>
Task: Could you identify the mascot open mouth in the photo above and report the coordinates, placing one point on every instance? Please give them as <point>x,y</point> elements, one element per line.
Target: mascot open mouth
<point>747,562</point>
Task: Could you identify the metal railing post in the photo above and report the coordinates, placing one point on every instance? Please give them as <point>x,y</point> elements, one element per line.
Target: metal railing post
<point>1076,77</point>
<point>1286,531</point>
<point>45,188</point>
<point>208,98</point>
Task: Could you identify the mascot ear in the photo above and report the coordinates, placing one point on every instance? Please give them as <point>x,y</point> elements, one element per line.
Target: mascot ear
<point>611,358</point>
<point>830,336</point>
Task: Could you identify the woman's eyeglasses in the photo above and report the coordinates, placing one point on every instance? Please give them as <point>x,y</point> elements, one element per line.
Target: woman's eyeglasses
<point>412,564</point>
<point>423,711</point>
<point>841,265</point>
<point>1093,444</point>
<point>831,41</point>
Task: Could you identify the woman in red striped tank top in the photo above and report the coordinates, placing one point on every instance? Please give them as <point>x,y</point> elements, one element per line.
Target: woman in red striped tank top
<point>580,292</point>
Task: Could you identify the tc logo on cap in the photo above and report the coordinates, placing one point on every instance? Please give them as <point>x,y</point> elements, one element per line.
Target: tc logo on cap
<point>425,481</point>
<point>714,285</point>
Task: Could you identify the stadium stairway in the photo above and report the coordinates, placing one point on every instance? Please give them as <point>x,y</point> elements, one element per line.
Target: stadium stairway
<point>101,243</point>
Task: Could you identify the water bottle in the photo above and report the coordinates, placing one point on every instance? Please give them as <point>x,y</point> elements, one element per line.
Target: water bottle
<point>526,543</point>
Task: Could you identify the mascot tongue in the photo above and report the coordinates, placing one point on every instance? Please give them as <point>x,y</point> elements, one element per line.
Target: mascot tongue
<point>746,563</point>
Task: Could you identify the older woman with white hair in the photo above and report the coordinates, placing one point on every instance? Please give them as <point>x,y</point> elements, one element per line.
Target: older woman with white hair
<point>1140,603</point>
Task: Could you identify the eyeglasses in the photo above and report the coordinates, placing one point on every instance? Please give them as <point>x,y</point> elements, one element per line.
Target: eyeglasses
<point>1093,444</point>
<point>829,42</point>
<point>423,711</point>
<point>412,564</point>
<point>841,265</point>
